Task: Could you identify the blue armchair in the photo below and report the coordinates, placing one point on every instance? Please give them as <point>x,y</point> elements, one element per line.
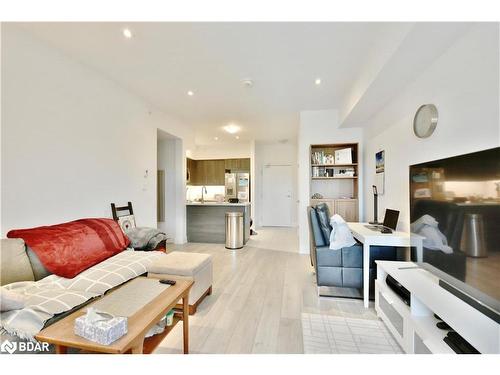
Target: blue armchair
<point>344,267</point>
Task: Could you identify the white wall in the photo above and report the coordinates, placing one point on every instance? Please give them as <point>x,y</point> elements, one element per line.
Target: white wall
<point>274,154</point>
<point>320,127</point>
<point>169,154</point>
<point>463,84</point>
<point>72,140</point>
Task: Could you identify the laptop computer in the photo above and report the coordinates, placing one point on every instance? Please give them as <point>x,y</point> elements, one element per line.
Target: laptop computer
<point>390,222</point>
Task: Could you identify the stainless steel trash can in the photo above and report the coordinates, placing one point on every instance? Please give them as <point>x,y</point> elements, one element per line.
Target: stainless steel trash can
<point>234,230</point>
<point>473,241</point>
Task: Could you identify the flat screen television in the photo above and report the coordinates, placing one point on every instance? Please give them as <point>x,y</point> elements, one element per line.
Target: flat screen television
<point>455,205</point>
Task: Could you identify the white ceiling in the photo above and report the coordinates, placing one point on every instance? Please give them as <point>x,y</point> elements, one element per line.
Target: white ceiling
<point>164,60</point>
<point>416,51</point>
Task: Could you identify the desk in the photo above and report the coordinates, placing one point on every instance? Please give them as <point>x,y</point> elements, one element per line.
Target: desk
<point>369,237</point>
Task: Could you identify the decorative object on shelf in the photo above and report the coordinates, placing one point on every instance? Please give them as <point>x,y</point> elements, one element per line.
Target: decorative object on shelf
<point>343,172</point>
<point>317,196</point>
<point>343,156</point>
<point>425,120</point>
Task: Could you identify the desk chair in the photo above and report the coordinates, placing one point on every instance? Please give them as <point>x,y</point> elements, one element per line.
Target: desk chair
<point>341,268</point>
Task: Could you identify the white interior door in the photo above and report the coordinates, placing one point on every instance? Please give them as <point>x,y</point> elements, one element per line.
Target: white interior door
<point>277,183</point>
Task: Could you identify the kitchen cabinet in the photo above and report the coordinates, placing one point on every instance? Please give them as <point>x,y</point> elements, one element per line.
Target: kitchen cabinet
<point>211,172</point>
<point>189,170</point>
<point>245,165</point>
<point>230,164</point>
<point>214,172</point>
<point>194,176</point>
<point>207,172</point>
<point>238,165</point>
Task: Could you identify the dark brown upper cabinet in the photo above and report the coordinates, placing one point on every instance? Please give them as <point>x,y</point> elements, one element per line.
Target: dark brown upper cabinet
<point>211,172</point>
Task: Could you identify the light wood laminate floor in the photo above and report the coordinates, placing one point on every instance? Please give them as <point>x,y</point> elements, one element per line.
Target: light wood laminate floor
<point>256,305</point>
<point>276,238</point>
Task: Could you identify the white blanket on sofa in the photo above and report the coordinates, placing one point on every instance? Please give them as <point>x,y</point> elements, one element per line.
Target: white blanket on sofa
<point>341,235</point>
<point>54,294</point>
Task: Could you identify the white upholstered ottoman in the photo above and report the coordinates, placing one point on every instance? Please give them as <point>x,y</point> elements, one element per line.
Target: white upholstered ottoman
<point>193,266</point>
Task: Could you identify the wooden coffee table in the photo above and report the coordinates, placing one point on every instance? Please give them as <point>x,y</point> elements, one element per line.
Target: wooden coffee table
<point>145,316</point>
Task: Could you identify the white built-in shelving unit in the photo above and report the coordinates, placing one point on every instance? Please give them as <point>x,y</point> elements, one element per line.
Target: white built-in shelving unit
<point>336,182</point>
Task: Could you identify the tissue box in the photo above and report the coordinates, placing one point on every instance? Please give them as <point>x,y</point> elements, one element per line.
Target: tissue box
<point>103,332</point>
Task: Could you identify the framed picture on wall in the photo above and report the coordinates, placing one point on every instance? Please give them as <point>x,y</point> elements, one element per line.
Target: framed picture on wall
<point>380,162</point>
<point>380,171</point>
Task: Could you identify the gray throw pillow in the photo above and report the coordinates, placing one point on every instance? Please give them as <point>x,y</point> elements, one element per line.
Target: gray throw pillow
<point>316,229</point>
<point>39,270</point>
<point>324,221</point>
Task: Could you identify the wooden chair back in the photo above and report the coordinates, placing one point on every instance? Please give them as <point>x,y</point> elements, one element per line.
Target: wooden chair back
<point>116,210</point>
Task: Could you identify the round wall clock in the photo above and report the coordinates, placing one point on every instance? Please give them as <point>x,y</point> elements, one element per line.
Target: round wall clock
<point>425,120</point>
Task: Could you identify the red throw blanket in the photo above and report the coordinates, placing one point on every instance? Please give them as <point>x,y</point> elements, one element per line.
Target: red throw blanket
<point>70,248</point>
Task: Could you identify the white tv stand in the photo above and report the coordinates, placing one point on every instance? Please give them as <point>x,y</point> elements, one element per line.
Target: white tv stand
<point>415,327</point>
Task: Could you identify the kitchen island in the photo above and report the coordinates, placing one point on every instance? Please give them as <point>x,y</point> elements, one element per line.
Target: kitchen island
<point>206,222</point>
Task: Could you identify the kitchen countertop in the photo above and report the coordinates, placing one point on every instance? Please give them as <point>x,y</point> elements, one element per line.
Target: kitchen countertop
<point>216,204</point>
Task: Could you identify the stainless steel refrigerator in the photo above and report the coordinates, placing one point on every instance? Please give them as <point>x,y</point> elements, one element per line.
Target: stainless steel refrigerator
<point>238,186</point>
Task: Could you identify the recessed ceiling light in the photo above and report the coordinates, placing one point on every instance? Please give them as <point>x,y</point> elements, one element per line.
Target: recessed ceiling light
<point>216,138</point>
<point>190,93</point>
<point>237,137</point>
<point>317,81</point>
<point>127,33</point>
<point>247,82</point>
<point>231,128</point>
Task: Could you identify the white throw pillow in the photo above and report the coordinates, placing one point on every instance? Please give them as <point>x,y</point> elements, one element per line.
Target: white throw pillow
<point>10,300</point>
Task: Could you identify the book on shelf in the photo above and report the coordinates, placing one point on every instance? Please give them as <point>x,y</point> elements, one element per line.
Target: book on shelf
<point>320,157</point>
<point>318,172</point>
<point>333,172</point>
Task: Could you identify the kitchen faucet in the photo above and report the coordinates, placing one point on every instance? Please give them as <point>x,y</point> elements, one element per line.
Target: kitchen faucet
<point>203,192</point>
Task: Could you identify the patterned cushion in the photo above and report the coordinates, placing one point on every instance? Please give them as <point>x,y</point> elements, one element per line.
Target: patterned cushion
<point>126,222</point>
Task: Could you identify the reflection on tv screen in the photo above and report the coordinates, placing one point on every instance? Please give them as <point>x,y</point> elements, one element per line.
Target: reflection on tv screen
<point>455,205</point>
